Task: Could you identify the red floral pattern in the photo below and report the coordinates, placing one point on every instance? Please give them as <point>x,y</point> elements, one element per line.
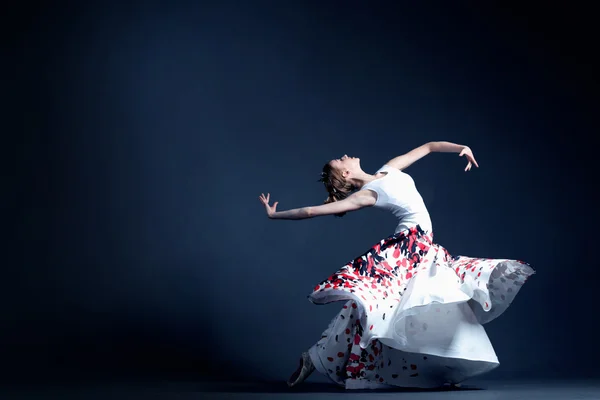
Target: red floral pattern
<point>373,285</point>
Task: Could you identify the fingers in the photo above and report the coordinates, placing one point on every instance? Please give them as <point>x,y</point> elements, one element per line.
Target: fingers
<point>473,161</point>
<point>467,152</point>
<point>265,199</point>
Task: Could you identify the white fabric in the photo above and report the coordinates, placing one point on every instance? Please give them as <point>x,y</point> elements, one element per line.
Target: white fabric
<point>434,317</point>
<point>414,313</point>
<point>396,192</point>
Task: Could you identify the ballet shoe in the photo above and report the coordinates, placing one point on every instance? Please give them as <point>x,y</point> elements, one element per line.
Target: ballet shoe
<point>305,368</point>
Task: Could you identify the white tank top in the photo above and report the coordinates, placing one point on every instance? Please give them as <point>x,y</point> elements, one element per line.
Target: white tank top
<point>396,192</point>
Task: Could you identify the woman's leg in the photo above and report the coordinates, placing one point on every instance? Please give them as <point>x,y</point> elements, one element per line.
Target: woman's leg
<point>329,355</point>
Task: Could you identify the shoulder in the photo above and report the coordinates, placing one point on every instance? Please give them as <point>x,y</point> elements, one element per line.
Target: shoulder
<point>386,168</point>
<point>364,198</point>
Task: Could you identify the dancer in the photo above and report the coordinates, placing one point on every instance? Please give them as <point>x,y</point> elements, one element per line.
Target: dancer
<point>413,313</point>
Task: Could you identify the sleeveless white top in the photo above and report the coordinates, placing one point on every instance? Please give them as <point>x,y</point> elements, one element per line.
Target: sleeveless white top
<point>396,192</point>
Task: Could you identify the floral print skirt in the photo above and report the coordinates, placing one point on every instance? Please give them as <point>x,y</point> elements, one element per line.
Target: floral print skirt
<point>413,314</point>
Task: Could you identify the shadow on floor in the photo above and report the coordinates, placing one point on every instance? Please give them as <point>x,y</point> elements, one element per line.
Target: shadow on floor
<point>312,387</point>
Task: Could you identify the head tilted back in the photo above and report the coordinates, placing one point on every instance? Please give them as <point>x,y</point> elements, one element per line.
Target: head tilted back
<point>335,184</point>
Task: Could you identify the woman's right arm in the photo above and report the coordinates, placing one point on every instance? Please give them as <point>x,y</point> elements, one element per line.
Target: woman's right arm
<point>353,202</point>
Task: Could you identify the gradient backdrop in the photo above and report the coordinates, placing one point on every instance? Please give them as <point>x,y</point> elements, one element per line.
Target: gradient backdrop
<point>140,136</point>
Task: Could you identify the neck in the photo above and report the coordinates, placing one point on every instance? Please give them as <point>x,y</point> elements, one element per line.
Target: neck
<point>361,179</point>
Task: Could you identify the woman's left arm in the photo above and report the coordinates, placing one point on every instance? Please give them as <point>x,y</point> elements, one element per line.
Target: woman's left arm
<point>405,160</point>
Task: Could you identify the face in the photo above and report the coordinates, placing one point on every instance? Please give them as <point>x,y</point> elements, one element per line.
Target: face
<point>346,165</point>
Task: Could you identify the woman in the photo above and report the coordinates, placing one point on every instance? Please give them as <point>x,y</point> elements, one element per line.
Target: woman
<point>413,314</point>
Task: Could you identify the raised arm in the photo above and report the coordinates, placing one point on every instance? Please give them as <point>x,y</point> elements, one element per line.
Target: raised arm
<point>405,160</point>
<point>353,202</point>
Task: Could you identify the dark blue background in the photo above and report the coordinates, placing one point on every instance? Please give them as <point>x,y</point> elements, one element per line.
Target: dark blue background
<point>141,135</point>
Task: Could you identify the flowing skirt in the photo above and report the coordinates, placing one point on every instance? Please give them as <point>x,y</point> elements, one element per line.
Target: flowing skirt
<point>413,314</point>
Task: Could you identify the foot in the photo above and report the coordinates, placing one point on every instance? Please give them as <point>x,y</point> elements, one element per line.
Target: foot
<point>305,368</point>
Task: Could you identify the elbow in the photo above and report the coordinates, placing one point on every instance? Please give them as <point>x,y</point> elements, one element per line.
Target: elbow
<point>430,147</point>
<point>308,212</point>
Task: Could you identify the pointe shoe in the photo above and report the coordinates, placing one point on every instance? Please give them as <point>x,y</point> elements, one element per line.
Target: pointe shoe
<point>304,370</point>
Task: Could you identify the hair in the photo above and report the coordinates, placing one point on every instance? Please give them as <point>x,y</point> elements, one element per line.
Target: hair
<point>336,186</point>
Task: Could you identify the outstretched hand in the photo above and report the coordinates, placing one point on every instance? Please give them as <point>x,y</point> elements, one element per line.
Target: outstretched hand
<point>466,151</point>
<point>270,209</point>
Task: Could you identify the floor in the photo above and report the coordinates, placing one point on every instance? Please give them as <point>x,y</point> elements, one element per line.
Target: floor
<point>480,390</point>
